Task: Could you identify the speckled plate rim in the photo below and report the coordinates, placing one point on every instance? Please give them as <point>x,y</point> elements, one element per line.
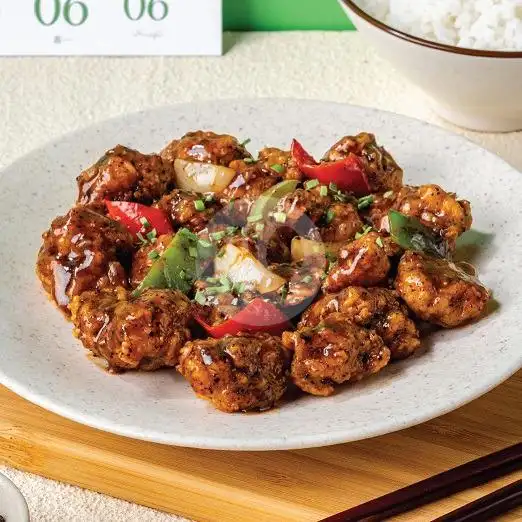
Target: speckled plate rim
<point>276,441</point>
<point>13,502</point>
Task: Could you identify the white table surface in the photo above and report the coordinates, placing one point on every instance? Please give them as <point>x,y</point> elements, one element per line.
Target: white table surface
<point>44,98</point>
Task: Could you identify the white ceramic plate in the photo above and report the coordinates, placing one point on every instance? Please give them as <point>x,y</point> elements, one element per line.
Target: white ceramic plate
<point>41,361</point>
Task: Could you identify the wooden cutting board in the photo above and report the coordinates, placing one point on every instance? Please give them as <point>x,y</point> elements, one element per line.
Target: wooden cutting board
<point>304,485</point>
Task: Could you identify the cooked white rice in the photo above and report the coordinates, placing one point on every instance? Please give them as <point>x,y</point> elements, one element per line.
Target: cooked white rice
<point>476,24</point>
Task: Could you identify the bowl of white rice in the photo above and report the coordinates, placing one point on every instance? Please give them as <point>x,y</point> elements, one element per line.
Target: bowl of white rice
<point>465,54</point>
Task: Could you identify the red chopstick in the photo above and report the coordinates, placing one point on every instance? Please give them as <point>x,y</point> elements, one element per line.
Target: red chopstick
<point>439,486</point>
<point>488,507</point>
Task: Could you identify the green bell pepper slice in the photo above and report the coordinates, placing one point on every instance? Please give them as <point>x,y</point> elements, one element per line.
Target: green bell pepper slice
<point>409,233</point>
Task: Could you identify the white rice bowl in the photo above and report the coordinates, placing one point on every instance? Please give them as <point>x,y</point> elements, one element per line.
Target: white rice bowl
<point>474,24</point>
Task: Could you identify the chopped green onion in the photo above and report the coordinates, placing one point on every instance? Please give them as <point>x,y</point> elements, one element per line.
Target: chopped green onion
<point>212,280</point>
<point>323,191</point>
<point>366,230</point>
<point>309,185</point>
<point>153,255</point>
<point>203,243</point>
<point>188,234</point>
<point>333,187</point>
<point>249,161</point>
<point>239,288</point>
<point>254,218</point>
<point>388,194</point>
<point>152,235</point>
<point>200,297</point>
<point>284,293</point>
<point>330,214</point>
<point>140,236</point>
<point>209,198</point>
<point>278,168</point>
<point>199,204</point>
<point>379,242</point>
<point>308,279</point>
<point>365,202</point>
<point>245,142</point>
<point>260,227</point>
<point>230,231</point>
<point>280,217</point>
<point>218,236</point>
<point>145,222</point>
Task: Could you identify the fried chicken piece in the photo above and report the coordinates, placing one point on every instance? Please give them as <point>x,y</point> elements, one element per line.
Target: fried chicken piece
<point>345,223</point>
<point>439,210</point>
<point>438,291</point>
<point>244,190</point>
<point>206,147</point>
<point>144,258</point>
<point>179,205</point>
<point>283,162</point>
<point>236,374</point>
<point>82,251</point>
<point>304,281</point>
<point>334,352</point>
<point>362,262</point>
<point>92,311</point>
<point>300,203</point>
<point>377,308</point>
<point>377,213</point>
<point>147,332</point>
<point>124,174</point>
<point>381,169</point>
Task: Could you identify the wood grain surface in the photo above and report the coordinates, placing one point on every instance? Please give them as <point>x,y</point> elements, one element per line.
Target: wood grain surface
<point>303,485</point>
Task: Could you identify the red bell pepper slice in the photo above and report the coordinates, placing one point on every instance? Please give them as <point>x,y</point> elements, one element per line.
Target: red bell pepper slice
<point>348,174</point>
<point>139,219</point>
<point>257,316</point>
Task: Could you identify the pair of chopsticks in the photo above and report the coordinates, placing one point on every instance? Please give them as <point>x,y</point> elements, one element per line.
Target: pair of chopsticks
<point>447,483</point>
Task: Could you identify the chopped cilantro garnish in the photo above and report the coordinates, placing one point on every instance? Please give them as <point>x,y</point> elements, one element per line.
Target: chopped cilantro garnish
<point>365,202</point>
<point>323,191</point>
<point>330,214</point>
<point>153,255</point>
<point>199,205</point>
<point>309,185</point>
<point>379,242</point>
<point>278,168</point>
<point>280,217</point>
<point>307,279</point>
<point>218,236</point>
<point>144,221</point>
<point>245,142</point>
<point>209,198</point>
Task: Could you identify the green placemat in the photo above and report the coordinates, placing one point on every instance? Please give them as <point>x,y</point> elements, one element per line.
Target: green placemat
<point>280,15</point>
